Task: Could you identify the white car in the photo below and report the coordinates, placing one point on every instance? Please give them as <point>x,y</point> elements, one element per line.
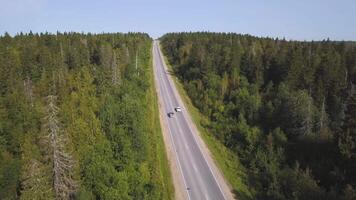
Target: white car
<point>178,109</point>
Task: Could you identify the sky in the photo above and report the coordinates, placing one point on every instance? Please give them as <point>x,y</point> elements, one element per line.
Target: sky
<point>290,19</point>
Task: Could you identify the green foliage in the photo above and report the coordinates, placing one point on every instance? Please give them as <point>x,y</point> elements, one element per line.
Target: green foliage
<point>35,180</point>
<point>272,103</point>
<point>9,175</point>
<point>103,101</point>
<point>347,133</point>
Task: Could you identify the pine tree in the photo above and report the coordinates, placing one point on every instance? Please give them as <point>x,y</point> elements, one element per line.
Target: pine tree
<point>308,123</point>
<point>235,78</point>
<point>324,131</point>
<point>347,134</point>
<point>115,69</point>
<point>62,162</point>
<point>224,83</point>
<point>28,90</point>
<point>36,179</point>
<point>35,184</point>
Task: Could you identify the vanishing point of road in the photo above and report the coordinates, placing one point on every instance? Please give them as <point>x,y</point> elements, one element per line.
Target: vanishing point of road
<point>199,175</point>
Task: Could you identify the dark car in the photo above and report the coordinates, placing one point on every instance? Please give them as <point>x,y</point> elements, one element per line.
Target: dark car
<point>170,114</point>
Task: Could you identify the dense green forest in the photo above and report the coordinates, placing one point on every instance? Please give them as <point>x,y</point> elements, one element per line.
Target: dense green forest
<point>73,118</point>
<point>286,108</point>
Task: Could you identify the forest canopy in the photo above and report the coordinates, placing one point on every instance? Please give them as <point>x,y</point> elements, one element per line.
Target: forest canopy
<point>287,109</point>
<point>73,111</point>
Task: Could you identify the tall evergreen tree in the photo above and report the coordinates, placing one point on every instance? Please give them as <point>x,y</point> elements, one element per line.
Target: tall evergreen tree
<point>62,162</point>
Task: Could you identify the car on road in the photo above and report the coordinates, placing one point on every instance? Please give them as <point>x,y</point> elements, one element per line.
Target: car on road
<point>178,109</point>
<point>170,114</point>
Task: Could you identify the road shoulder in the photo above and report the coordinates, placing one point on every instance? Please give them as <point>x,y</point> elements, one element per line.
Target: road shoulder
<point>179,188</point>
<point>226,189</point>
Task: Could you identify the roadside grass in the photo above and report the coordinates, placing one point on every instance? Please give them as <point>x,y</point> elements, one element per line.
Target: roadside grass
<point>159,163</point>
<point>227,161</point>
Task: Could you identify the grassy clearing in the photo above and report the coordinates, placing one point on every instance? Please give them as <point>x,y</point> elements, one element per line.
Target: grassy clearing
<point>227,161</point>
<point>159,156</point>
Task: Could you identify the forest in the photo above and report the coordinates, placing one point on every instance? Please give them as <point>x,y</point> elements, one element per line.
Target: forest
<point>73,118</point>
<point>287,109</point>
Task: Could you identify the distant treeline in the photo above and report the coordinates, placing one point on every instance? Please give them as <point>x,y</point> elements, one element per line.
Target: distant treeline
<point>73,111</point>
<point>286,108</point>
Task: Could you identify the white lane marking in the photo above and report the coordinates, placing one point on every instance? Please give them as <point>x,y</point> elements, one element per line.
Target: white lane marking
<point>191,159</point>
<point>183,138</point>
<point>195,167</point>
<point>174,146</point>
<point>195,140</point>
<point>193,162</point>
<point>206,197</point>
<point>186,146</point>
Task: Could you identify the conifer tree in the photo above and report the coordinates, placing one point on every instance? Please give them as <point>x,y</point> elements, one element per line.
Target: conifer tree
<point>62,162</point>
<point>347,134</point>
<point>35,180</point>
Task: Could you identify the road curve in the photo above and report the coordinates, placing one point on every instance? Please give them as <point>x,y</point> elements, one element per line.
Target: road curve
<point>198,172</point>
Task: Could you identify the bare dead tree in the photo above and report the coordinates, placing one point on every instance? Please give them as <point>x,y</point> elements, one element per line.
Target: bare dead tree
<point>61,51</point>
<point>62,70</point>
<point>323,116</point>
<point>84,41</point>
<point>115,69</point>
<point>308,120</point>
<point>28,89</point>
<point>113,41</point>
<point>138,73</point>
<point>35,181</point>
<point>127,52</point>
<point>346,75</point>
<point>62,162</point>
<point>324,131</point>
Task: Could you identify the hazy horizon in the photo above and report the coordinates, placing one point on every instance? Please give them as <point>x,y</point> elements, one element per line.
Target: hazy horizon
<point>302,20</point>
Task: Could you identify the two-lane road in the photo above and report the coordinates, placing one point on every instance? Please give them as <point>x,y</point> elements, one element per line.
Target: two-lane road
<point>198,176</point>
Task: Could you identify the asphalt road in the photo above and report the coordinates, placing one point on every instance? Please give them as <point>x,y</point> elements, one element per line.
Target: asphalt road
<point>199,180</point>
